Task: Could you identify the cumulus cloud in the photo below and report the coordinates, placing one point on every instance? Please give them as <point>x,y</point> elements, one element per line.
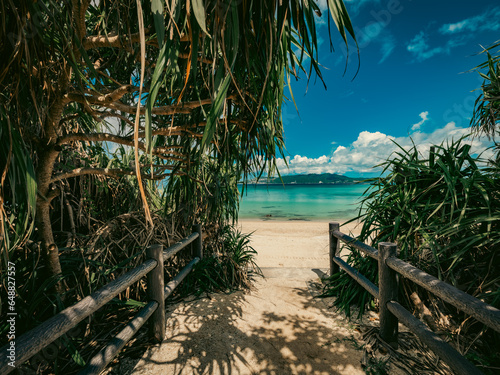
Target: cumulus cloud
<point>486,21</point>
<point>372,148</point>
<point>424,117</point>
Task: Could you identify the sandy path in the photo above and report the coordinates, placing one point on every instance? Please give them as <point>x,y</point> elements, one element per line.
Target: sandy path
<point>291,244</point>
<point>278,328</point>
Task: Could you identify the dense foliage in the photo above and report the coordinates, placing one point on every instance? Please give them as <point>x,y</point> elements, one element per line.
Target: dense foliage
<point>124,122</point>
<point>230,266</point>
<point>443,211</point>
<point>186,84</point>
<point>487,109</point>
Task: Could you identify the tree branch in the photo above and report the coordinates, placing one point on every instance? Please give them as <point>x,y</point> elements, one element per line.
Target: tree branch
<point>113,173</point>
<point>181,108</point>
<point>117,94</point>
<point>112,40</point>
<point>78,12</point>
<point>161,152</point>
<point>119,41</point>
<point>204,60</point>
<point>107,137</point>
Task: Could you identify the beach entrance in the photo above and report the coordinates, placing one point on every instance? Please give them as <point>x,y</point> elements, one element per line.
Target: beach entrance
<point>276,328</point>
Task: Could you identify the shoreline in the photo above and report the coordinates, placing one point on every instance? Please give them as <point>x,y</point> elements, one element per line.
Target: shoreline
<point>288,220</point>
<point>272,220</point>
<point>292,243</point>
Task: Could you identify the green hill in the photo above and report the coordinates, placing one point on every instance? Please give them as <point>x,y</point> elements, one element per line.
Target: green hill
<point>325,178</point>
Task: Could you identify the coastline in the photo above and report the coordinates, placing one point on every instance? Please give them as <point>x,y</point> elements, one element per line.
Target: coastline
<point>307,202</point>
<point>292,243</point>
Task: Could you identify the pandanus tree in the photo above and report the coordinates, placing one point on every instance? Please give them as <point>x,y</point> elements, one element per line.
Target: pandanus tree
<point>486,117</point>
<point>185,83</point>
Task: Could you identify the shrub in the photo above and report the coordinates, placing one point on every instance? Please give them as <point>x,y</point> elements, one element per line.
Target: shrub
<point>444,214</point>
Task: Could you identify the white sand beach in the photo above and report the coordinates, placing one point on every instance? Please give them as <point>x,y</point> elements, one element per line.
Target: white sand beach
<point>277,328</point>
<point>292,243</point>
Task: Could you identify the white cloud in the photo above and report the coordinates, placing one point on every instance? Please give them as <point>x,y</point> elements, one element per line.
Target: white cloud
<point>424,117</point>
<point>451,28</point>
<point>372,148</point>
<point>460,32</point>
<point>419,47</point>
<point>487,21</point>
<point>418,44</point>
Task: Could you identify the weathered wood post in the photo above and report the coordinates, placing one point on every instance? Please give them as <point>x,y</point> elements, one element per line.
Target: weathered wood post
<point>156,292</point>
<point>388,291</point>
<point>197,246</point>
<point>334,247</point>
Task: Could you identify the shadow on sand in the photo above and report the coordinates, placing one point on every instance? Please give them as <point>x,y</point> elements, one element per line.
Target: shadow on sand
<point>277,329</point>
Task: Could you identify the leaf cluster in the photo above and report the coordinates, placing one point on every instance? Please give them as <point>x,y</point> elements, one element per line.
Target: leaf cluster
<point>443,213</point>
<point>230,266</point>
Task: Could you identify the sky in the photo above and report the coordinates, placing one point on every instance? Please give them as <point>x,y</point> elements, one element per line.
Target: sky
<point>413,84</point>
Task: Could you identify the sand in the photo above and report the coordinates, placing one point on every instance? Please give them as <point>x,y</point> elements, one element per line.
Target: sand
<point>277,328</point>
<point>292,244</point>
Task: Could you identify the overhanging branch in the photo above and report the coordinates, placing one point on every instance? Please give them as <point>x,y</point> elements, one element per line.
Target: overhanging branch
<point>113,173</point>
<point>119,41</point>
<point>181,108</point>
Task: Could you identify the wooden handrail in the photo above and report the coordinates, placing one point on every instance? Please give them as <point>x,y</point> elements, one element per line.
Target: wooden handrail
<point>43,335</point>
<point>476,308</point>
<point>445,351</point>
<point>368,250</point>
<point>169,288</point>
<point>356,275</point>
<point>174,249</point>
<point>391,310</point>
<point>106,355</point>
<point>39,337</point>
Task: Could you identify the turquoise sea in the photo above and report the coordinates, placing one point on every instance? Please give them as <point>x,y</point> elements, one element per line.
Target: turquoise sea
<point>301,202</point>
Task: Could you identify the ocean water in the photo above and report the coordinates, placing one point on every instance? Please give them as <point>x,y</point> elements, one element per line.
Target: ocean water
<point>301,202</point>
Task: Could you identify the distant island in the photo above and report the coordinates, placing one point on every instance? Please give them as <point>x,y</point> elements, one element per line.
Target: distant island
<point>324,178</point>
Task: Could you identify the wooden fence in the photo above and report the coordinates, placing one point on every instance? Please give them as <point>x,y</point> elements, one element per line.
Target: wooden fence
<point>391,312</point>
<point>43,335</point>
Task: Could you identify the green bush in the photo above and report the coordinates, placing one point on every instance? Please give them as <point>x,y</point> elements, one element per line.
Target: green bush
<point>229,267</point>
<point>444,214</point>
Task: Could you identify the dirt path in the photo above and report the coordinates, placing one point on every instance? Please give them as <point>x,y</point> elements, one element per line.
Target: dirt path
<point>278,328</point>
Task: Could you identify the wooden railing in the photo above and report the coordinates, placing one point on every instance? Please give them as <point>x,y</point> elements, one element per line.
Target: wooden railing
<point>391,312</point>
<point>43,335</point>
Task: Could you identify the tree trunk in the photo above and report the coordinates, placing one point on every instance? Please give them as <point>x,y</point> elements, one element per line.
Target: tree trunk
<point>47,156</point>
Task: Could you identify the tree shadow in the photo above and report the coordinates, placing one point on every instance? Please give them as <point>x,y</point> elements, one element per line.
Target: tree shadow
<point>251,334</point>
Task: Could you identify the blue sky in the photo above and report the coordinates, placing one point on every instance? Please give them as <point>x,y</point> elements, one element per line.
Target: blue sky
<point>412,81</point>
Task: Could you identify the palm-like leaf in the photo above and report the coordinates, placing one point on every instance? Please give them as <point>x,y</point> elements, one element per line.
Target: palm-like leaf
<point>214,74</point>
<point>487,107</point>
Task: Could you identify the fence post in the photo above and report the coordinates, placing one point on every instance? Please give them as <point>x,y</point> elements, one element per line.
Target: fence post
<point>334,247</point>
<point>388,291</point>
<point>156,292</point>
<point>197,246</point>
